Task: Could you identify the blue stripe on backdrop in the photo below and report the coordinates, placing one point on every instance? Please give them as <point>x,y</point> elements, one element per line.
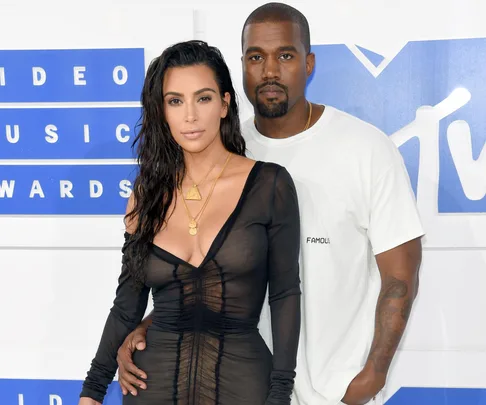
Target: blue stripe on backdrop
<point>65,189</point>
<point>67,133</point>
<point>66,392</point>
<point>438,396</point>
<point>71,75</point>
<point>49,392</point>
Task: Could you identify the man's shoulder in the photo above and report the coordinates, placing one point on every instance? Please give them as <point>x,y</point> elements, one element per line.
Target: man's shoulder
<point>351,126</point>
<point>362,137</point>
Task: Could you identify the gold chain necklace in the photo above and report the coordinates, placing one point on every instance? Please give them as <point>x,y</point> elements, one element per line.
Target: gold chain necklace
<point>193,193</point>
<point>308,119</point>
<point>193,221</point>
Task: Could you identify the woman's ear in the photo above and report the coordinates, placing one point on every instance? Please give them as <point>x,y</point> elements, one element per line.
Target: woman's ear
<point>226,104</point>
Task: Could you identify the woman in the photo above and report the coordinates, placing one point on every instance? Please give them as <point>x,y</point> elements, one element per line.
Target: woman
<point>206,230</point>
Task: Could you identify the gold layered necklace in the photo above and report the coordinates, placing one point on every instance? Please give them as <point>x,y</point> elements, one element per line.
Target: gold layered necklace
<point>308,118</point>
<point>194,220</point>
<point>193,192</point>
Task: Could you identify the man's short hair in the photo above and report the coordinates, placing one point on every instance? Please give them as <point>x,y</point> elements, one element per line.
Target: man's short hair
<point>280,12</point>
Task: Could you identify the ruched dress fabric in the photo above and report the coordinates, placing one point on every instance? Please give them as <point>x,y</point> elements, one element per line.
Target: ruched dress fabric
<point>204,347</point>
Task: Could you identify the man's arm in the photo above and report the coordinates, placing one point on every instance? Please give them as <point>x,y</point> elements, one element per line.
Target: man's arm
<point>399,269</point>
<point>128,373</point>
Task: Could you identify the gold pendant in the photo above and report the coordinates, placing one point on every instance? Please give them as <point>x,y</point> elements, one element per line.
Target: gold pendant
<point>192,227</point>
<point>193,193</point>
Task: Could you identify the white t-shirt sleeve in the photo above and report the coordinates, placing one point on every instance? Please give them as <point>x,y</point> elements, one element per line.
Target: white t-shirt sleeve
<point>394,218</point>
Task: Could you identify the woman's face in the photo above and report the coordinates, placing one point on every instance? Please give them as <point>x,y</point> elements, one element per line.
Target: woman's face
<point>193,106</point>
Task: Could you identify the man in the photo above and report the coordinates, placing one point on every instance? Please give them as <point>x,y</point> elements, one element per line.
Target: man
<point>361,247</point>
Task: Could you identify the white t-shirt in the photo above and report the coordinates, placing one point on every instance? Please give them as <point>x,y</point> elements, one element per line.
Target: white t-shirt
<point>355,201</point>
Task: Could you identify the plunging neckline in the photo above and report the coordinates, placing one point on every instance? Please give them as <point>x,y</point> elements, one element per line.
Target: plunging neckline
<point>218,239</point>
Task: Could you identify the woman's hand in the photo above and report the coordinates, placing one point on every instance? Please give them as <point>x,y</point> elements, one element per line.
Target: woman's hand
<point>88,401</point>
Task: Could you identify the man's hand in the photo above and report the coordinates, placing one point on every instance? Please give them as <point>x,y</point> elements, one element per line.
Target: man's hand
<point>364,387</point>
<point>127,371</point>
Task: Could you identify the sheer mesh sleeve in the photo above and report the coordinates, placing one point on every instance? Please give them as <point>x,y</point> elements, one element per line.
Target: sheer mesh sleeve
<point>126,313</point>
<point>284,287</point>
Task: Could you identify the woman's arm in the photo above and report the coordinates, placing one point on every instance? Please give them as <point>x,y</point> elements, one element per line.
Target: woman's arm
<point>126,313</point>
<point>284,287</point>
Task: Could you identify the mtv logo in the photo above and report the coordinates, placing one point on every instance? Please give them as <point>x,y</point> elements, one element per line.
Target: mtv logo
<point>430,99</point>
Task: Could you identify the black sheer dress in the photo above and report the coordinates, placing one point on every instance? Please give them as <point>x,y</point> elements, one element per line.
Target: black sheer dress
<point>203,347</point>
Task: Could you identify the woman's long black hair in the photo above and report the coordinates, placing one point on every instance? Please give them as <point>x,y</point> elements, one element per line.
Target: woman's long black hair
<point>160,159</point>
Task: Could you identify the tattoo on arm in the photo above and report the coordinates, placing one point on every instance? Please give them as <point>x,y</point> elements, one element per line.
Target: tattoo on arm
<point>392,313</point>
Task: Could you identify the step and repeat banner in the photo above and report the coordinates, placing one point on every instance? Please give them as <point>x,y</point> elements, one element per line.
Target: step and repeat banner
<point>69,109</point>
<point>31,186</point>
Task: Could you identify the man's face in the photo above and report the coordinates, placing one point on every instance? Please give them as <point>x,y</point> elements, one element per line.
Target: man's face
<point>275,67</point>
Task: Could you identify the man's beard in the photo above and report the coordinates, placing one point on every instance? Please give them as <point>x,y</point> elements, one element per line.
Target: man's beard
<point>274,110</point>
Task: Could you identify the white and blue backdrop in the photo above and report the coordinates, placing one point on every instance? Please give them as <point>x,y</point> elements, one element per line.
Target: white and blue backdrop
<point>70,82</point>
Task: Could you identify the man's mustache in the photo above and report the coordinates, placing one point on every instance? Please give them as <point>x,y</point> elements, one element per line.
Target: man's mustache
<point>273,83</point>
